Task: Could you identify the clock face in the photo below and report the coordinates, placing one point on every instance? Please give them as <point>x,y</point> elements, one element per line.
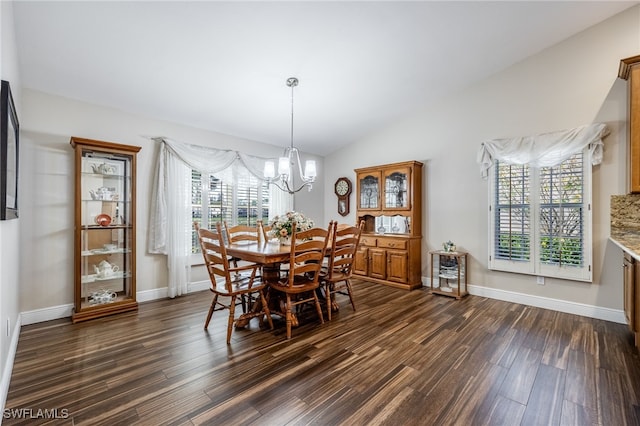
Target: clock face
<point>342,187</point>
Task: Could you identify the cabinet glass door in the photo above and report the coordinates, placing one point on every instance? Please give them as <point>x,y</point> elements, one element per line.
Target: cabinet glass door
<point>396,189</point>
<point>106,228</point>
<point>369,196</point>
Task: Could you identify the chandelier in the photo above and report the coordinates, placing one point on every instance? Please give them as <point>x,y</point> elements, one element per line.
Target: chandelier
<point>284,179</point>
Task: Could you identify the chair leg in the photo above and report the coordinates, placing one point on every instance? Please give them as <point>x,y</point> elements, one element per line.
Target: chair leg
<point>211,309</point>
<point>232,311</point>
<point>328,296</point>
<point>318,307</point>
<point>265,306</point>
<point>288,316</point>
<point>350,291</point>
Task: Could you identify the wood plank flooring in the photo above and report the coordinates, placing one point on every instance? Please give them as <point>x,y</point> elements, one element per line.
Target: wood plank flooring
<point>403,358</point>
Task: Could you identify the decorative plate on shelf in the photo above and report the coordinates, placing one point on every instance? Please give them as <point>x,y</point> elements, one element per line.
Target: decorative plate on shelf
<point>103,219</point>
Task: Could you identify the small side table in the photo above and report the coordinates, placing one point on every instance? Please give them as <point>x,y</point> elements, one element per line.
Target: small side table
<point>449,273</point>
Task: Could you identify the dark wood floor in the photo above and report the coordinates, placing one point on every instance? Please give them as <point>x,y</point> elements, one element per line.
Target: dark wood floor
<point>402,358</point>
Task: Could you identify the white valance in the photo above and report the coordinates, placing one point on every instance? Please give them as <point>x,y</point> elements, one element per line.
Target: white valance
<point>212,160</point>
<point>544,150</point>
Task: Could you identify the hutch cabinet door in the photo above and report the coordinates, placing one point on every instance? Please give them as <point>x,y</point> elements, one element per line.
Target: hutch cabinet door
<point>397,188</point>
<point>398,262</point>
<point>378,265</point>
<point>628,289</point>
<point>361,261</point>
<point>105,268</point>
<point>630,70</point>
<point>369,190</point>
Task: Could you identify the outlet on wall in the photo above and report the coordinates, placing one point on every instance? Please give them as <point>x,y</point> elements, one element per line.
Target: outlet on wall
<point>540,280</point>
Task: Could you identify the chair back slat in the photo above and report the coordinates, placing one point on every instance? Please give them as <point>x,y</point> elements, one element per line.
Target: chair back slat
<point>344,244</point>
<point>239,233</point>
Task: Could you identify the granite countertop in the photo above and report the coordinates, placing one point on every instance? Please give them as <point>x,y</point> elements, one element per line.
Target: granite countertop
<point>628,239</point>
<point>625,223</point>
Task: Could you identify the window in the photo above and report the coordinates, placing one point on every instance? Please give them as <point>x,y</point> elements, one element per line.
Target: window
<point>241,200</point>
<point>541,219</point>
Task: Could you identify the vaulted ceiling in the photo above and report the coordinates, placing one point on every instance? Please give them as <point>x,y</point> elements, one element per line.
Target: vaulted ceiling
<point>222,66</point>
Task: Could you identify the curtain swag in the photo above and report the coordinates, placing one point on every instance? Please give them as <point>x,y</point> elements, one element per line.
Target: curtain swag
<point>543,150</point>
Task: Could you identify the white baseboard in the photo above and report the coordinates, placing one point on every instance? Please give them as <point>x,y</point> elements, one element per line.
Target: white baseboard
<point>199,286</point>
<point>590,311</point>
<point>46,314</point>
<point>8,366</point>
<point>63,311</point>
<point>155,294</point>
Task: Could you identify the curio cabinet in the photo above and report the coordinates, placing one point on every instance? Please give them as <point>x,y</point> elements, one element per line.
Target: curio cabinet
<point>105,228</point>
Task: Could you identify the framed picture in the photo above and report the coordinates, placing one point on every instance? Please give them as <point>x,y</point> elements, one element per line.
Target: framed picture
<point>9,138</point>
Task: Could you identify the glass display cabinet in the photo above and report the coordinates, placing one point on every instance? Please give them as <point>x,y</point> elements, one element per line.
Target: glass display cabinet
<point>105,223</point>
<point>390,204</point>
<point>449,273</point>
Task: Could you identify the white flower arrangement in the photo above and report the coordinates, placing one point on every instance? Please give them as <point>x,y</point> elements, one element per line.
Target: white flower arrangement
<point>282,225</point>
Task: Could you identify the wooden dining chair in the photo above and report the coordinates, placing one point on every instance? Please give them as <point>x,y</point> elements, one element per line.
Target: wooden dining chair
<point>335,278</point>
<point>225,283</point>
<point>305,260</point>
<point>237,234</point>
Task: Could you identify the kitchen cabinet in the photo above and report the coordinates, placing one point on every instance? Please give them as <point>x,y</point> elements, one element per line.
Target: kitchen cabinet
<point>631,294</point>
<point>389,201</point>
<point>630,70</point>
<point>104,228</point>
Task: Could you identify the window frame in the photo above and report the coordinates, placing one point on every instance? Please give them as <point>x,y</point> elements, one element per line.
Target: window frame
<point>534,265</point>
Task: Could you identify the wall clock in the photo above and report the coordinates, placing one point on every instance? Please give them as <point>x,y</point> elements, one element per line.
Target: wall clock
<point>343,190</point>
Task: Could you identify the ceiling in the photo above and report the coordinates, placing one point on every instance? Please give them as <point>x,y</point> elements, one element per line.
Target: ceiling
<point>222,66</point>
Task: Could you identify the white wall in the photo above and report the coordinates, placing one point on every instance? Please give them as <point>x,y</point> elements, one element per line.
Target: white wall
<point>47,191</point>
<point>568,85</point>
<point>9,230</point>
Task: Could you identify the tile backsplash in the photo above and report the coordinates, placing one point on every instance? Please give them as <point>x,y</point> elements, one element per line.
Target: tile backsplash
<point>625,211</point>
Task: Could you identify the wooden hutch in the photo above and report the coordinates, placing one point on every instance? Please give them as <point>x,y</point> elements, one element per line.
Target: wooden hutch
<point>389,200</point>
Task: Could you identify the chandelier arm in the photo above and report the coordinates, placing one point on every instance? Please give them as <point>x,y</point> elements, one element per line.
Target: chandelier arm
<point>285,185</point>
<point>300,171</point>
<point>293,191</point>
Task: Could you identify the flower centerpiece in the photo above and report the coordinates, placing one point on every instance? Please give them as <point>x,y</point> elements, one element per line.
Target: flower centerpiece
<point>282,226</point>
